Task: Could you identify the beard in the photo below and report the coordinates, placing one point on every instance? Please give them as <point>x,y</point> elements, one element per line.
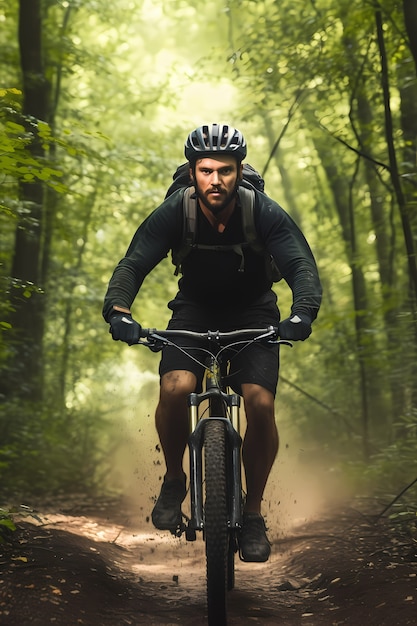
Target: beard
<point>217,207</point>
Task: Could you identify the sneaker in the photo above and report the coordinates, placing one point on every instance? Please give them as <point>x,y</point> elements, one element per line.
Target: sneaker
<point>166,514</point>
<point>253,542</point>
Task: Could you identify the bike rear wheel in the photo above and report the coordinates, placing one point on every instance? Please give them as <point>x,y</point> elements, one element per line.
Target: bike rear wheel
<point>216,522</point>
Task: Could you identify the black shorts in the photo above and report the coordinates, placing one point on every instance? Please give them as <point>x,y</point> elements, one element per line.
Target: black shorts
<point>257,363</point>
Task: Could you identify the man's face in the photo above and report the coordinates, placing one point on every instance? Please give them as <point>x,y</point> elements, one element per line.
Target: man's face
<point>215,181</point>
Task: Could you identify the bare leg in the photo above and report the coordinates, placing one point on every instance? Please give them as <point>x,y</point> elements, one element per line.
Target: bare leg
<point>171,419</point>
<point>260,446</point>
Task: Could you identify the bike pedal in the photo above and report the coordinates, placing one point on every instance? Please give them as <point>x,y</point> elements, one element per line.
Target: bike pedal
<point>190,534</point>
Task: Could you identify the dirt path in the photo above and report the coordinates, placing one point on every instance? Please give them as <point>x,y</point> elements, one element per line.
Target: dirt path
<point>101,568</point>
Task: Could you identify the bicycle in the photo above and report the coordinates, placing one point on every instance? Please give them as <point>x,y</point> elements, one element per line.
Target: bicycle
<point>215,456</point>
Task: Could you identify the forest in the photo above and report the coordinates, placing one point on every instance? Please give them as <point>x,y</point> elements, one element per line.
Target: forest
<point>97,99</point>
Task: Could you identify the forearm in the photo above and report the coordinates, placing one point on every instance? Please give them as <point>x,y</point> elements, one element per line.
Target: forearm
<point>307,291</point>
<point>122,290</point>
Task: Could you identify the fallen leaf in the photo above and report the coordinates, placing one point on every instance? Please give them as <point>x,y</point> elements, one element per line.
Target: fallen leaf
<point>56,591</point>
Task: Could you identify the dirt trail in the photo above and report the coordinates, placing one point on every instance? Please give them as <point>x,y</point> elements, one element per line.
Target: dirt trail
<point>100,566</point>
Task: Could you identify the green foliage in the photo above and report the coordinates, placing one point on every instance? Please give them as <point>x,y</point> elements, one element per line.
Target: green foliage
<point>7,525</point>
<point>16,162</point>
<point>392,467</point>
<point>391,475</point>
<point>7,519</point>
<point>303,81</point>
<point>48,451</point>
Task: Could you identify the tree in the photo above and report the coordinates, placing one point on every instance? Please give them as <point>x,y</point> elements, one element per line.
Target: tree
<point>410,19</point>
<point>27,301</point>
<point>329,58</point>
<point>120,88</point>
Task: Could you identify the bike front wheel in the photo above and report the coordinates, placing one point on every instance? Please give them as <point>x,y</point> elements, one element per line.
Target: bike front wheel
<point>216,521</point>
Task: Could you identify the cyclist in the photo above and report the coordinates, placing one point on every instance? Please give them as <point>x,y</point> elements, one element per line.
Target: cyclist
<point>214,293</point>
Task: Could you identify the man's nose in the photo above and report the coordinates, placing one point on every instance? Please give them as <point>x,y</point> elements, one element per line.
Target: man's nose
<point>215,178</point>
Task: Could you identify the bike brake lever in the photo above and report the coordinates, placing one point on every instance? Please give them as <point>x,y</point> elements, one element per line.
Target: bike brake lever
<point>154,345</point>
<point>284,342</point>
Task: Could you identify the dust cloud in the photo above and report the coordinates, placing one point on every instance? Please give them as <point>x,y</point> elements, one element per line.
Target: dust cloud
<point>137,465</point>
<point>298,489</point>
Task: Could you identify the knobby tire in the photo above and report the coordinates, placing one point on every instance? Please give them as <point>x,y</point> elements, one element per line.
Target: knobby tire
<point>216,522</point>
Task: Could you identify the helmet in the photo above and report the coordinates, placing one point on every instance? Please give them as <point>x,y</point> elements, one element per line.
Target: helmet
<point>213,138</point>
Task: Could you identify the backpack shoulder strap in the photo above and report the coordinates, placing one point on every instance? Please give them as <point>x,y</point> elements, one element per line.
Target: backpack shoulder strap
<point>190,215</point>
<point>189,205</point>
<point>247,201</point>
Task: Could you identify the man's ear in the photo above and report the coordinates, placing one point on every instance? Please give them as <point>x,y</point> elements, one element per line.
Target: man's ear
<point>240,171</point>
<point>191,173</point>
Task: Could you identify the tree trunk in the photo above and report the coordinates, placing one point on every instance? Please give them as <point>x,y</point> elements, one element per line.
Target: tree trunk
<point>343,205</point>
<point>410,19</point>
<point>360,302</point>
<point>291,203</point>
<point>25,372</point>
<point>384,245</point>
<point>395,177</point>
<point>408,108</point>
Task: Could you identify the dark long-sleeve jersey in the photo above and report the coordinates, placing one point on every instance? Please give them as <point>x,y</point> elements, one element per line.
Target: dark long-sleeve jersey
<point>213,276</point>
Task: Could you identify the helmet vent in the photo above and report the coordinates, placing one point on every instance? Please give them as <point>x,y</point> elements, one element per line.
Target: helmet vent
<point>213,138</point>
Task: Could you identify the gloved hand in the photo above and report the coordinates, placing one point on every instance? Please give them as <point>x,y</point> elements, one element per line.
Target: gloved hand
<point>124,328</point>
<point>295,328</point>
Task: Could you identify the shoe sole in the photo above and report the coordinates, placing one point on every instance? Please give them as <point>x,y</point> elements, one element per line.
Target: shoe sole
<point>171,527</point>
<point>253,559</point>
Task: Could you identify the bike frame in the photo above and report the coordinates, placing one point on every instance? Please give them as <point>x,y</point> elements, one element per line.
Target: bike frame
<point>157,339</point>
<point>223,502</point>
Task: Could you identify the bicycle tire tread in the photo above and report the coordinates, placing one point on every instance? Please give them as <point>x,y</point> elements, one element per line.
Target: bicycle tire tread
<point>216,518</point>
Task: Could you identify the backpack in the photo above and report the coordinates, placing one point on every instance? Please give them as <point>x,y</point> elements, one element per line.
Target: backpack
<point>251,180</point>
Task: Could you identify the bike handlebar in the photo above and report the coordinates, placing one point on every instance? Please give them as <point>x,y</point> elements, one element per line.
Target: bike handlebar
<point>269,332</point>
<point>155,339</point>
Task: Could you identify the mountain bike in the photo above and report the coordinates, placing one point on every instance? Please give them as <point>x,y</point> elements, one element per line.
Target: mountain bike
<point>216,494</point>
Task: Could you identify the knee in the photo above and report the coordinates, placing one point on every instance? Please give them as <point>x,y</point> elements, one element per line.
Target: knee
<point>177,385</point>
<point>259,404</point>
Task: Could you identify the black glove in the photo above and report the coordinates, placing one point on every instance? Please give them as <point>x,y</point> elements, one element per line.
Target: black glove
<point>295,328</point>
<point>124,328</point>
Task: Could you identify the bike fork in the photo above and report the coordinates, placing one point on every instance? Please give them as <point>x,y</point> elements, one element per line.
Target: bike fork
<point>195,445</point>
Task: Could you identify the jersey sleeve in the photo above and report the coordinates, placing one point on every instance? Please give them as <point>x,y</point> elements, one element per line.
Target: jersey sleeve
<point>284,240</point>
<point>155,237</point>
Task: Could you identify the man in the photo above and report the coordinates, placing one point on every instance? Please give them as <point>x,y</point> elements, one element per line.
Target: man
<point>215,294</point>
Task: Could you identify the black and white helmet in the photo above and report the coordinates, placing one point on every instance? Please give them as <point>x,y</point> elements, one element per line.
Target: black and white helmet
<point>214,138</point>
